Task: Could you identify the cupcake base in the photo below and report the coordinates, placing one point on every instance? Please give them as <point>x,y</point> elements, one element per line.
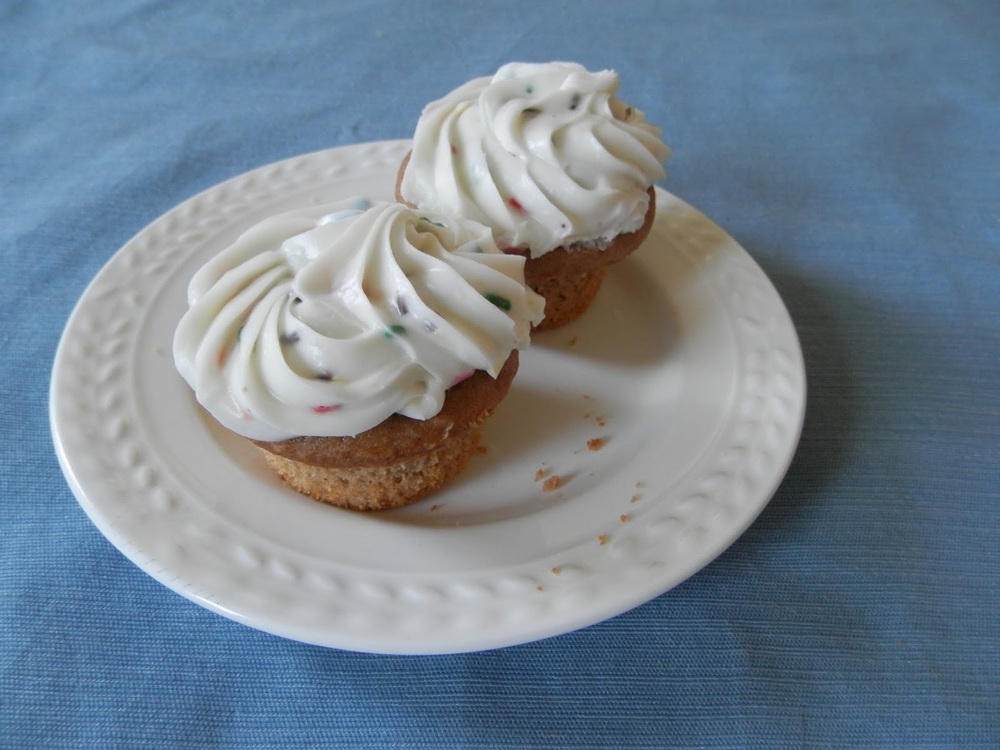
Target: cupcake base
<point>566,297</point>
<point>378,487</point>
<point>570,277</point>
<point>401,460</point>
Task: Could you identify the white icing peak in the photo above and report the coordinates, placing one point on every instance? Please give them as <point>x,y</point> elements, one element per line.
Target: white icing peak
<point>325,321</point>
<point>544,154</point>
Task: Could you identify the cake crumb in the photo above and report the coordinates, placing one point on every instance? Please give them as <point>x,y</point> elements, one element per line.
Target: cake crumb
<point>640,485</point>
<point>587,397</point>
<point>624,518</point>
<point>539,588</point>
<point>556,570</point>
<point>636,498</point>
<point>595,444</point>
<point>602,539</point>
<point>435,507</point>
<point>482,449</point>
<point>552,483</point>
<point>572,341</point>
<point>541,474</point>
<point>601,421</point>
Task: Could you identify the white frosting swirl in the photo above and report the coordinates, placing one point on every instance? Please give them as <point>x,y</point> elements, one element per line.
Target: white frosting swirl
<point>325,321</point>
<point>545,154</point>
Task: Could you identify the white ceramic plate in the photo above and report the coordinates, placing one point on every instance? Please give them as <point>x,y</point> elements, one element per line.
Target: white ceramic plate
<point>687,368</point>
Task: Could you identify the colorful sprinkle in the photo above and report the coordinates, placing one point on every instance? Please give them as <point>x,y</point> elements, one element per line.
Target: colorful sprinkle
<point>326,409</point>
<point>394,329</point>
<point>459,378</point>
<point>401,305</point>
<point>529,89</point>
<point>289,338</point>
<point>454,150</point>
<point>516,205</point>
<point>502,302</point>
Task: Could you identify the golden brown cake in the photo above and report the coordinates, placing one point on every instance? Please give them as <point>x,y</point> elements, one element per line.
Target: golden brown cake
<point>399,461</point>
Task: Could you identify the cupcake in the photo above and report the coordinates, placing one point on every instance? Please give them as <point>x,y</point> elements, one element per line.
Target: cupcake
<point>359,346</point>
<point>546,156</point>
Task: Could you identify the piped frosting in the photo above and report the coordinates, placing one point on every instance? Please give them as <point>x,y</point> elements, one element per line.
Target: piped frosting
<point>544,154</point>
<point>324,321</point>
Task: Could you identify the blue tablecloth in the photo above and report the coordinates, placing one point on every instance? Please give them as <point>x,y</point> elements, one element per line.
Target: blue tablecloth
<point>850,147</point>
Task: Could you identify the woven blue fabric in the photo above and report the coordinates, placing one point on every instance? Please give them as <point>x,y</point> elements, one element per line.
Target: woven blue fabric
<point>851,147</point>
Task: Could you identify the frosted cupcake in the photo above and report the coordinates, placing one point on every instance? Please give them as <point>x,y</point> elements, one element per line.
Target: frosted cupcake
<point>360,347</point>
<point>553,162</point>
